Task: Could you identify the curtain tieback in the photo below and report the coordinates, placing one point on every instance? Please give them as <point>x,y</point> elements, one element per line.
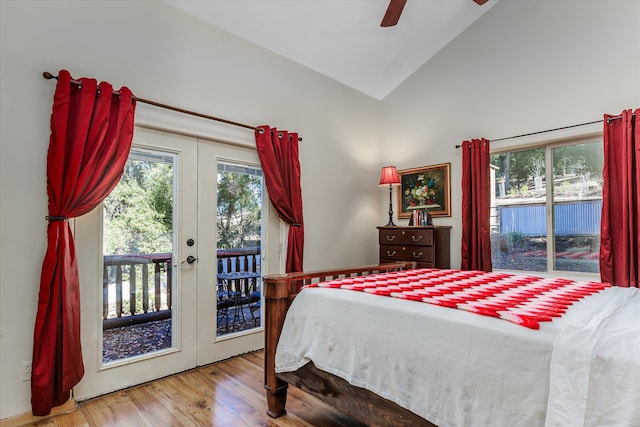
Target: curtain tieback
<point>295,224</point>
<point>55,218</point>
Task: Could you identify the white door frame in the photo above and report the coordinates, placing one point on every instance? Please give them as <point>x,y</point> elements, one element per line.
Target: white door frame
<point>197,344</point>
<point>210,347</point>
<point>102,378</point>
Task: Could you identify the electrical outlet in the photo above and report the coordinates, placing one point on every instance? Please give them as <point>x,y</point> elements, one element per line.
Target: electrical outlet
<point>26,371</point>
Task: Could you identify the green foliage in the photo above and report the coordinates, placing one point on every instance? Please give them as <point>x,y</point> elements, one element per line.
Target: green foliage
<point>239,209</point>
<point>580,159</point>
<point>516,239</point>
<point>138,213</point>
<point>512,241</point>
<point>518,167</point>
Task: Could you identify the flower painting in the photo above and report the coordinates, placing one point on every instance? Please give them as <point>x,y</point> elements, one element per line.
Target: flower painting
<point>427,187</point>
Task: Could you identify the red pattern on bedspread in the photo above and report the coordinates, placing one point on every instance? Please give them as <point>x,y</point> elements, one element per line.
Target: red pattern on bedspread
<point>524,300</point>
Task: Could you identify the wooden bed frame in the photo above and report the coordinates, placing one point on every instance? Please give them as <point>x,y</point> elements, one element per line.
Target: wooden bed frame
<point>361,404</point>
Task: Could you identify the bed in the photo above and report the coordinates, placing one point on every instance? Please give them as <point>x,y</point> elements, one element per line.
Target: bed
<point>389,361</point>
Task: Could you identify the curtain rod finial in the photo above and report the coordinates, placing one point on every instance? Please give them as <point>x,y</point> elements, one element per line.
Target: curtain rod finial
<point>47,75</point>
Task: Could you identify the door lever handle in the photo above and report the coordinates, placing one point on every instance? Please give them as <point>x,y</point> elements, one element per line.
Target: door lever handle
<point>190,259</point>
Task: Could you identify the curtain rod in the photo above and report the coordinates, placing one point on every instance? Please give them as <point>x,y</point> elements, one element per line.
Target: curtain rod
<point>551,130</point>
<point>47,75</point>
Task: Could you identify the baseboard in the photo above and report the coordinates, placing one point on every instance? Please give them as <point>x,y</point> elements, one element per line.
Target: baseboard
<point>28,418</point>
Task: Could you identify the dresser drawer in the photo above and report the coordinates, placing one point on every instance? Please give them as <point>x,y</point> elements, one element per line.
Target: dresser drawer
<point>407,253</point>
<point>427,246</point>
<point>406,237</point>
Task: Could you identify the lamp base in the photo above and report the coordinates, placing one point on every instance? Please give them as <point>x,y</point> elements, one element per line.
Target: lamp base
<point>390,223</point>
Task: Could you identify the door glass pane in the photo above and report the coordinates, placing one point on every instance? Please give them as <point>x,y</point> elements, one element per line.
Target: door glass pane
<point>138,243</point>
<point>518,214</point>
<point>577,206</point>
<point>239,226</point>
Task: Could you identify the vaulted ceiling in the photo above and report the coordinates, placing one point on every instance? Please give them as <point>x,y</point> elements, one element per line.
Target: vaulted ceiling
<point>343,39</point>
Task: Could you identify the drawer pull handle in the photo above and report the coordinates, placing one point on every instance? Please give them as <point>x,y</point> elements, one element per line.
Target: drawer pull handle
<point>391,238</point>
<point>416,238</point>
<point>391,253</point>
<point>417,255</point>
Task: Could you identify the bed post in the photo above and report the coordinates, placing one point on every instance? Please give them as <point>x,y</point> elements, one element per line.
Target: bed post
<point>276,301</point>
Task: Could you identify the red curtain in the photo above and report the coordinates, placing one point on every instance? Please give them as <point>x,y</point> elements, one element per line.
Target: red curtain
<point>476,193</point>
<point>91,133</point>
<point>278,151</point>
<point>620,225</point>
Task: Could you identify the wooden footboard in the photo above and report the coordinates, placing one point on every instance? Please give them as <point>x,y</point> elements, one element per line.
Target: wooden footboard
<point>279,292</point>
<point>361,404</point>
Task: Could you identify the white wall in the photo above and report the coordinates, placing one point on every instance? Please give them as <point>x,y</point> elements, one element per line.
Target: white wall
<point>165,55</point>
<point>524,66</point>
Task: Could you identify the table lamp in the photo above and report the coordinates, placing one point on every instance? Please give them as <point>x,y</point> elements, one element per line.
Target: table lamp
<point>389,177</point>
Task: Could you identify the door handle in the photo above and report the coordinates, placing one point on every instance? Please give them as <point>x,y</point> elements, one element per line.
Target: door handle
<point>190,259</point>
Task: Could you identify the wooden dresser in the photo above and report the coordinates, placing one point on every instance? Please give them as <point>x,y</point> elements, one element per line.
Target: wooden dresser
<point>429,246</point>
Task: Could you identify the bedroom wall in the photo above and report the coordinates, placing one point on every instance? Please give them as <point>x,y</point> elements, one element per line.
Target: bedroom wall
<point>165,55</point>
<point>524,66</point>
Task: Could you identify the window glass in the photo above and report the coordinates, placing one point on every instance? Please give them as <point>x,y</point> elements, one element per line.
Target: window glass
<point>239,221</point>
<point>138,245</point>
<point>518,222</point>
<point>533,229</point>
<point>577,205</point>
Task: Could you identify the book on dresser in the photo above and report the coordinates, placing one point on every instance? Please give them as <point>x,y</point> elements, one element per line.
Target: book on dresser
<point>429,245</point>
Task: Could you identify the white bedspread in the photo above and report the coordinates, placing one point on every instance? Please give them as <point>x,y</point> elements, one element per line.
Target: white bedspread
<point>595,366</point>
<point>426,358</point>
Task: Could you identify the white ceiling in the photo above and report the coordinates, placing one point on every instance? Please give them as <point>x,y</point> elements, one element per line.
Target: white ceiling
<point>342,39</point>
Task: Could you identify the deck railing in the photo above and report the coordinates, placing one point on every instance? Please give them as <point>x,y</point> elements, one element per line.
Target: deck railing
<point>137,288</point>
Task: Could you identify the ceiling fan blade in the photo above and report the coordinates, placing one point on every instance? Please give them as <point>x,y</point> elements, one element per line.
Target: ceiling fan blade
<point>394,10</point>
<point>480,2</point>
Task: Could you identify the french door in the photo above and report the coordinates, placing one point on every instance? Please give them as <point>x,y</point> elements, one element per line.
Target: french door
<point>148,265</point>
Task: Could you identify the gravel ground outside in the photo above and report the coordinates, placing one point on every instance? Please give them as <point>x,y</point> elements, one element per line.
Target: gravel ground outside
<point>530,254</point>
<point>130,341</point>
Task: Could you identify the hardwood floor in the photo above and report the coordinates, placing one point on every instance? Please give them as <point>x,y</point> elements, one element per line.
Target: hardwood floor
<point>228,393</point>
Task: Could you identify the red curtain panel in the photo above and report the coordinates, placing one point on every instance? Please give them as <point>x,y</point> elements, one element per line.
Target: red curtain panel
<point>278,152</point>
<point>91,133</point>
<point>476,193</point>
<point>620,225</point>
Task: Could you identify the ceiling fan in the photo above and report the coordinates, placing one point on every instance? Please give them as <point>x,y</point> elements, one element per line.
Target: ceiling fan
<point>394,10</point>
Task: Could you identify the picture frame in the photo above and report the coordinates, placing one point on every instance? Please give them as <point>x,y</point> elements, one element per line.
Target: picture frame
<point>426,187</point>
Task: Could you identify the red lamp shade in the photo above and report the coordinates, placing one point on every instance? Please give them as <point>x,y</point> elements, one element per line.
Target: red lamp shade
<point>389,176</point>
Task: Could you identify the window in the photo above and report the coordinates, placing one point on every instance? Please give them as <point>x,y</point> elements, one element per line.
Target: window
<point>545,207</point>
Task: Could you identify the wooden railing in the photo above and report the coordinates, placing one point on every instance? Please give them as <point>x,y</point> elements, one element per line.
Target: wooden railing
<point>151,300</point>
<point>239,260</point>
<point>137,288</point>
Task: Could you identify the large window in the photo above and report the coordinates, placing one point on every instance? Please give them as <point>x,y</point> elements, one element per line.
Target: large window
<point>545,207</point>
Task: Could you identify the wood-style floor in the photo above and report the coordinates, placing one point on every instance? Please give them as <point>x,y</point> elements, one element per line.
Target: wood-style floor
<point>228,393</point>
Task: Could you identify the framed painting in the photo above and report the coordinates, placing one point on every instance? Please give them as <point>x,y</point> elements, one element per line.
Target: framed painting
<point>427,187</point>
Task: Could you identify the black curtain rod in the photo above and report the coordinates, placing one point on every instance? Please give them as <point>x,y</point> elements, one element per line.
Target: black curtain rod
<point>551,130</point>
<point>47,75</point>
